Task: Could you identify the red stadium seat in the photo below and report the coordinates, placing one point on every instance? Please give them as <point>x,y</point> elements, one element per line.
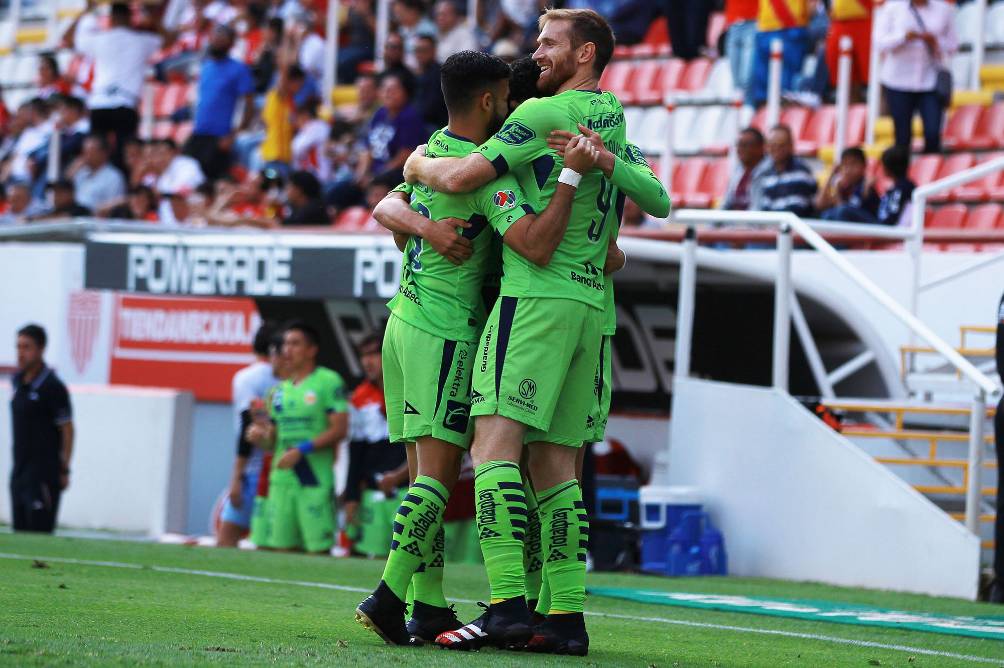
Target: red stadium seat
<point>658,33</point>
<point>664,78</point>
<point>980,189</point>
<point>989,130</point>
<point>984,217</point>
<point>924,168</point>
<point>951,217</point>
<point>857,121</point>
<point>622,52</point>
<point>696,75</point>
<point>951,164</point>
<point>687,179</point>
<point>182,131</point>
<point>818,132</point>
<point>796,118</point>
<point>712,186</point>
<point>352,219</point>
<point>615,77</point>
<point>163,130</point>
<point>646,85</point>
<point>961,125</point>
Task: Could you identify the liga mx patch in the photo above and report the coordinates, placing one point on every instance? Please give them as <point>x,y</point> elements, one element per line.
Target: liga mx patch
<point>515,133</point>
<point>505,199</point>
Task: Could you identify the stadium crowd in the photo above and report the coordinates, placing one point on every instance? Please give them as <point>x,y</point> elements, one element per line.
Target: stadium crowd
<point>260,145</point>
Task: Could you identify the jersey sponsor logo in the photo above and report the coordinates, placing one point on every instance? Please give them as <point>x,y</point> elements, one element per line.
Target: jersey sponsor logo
<point>486,348</point>
<point>277,400</point>
<point>527,388</point>
<point>587,281</point>
<point>310,398</point>
<point>515,133</point>
<point>424,521</point>
<point>477,397</point>
<point>559,533</point>
<point>633,154</point>
<point>457,416</point>
<point>413,548</point>
<point>606,121</point>
<point>459,375</point>
<point>486,511</point>
<point>525,404</point>
<point>410,410</point>
<point>505,199</point>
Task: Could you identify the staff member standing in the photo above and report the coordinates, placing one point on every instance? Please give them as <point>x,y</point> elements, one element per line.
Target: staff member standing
<point>43,436</point>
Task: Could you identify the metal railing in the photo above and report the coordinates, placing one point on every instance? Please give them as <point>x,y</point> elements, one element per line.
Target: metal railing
<point>788,224</point>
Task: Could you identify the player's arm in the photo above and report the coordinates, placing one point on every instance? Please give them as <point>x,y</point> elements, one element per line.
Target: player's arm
<point>449,175</point>
<point>536,237</point>
<point>616,259</point>
<point>395,213</point>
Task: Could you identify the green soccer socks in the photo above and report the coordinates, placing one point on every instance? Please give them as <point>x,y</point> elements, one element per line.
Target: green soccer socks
<point>533,559</point>
<point>502,523</point>
<point>565,532</point>
<point>417,544</point>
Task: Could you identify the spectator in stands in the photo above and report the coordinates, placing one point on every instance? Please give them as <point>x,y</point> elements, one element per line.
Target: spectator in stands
<point>96,180</point>
<point>137,159</point>
<point>782,182</point>
<point>120,55</point>
<point>276,149</point>
<point>367,101</point>
<point>378,188</point>
<point>254,203</point>
<point>412,23</point>
<point>32,128</point>
<point>852,18</point>
<point>393,55</point>
<point>303,195</point>
<point>750,153</point>
<point>895,206</point>
<point>64,202</point>
<point>339,149</point>
<point>847,197</point>
<point>360,30</point>
<point>394,131</point>
<point>178,176</point>
<point>688,26</point>
<point>263,69</point>
<point>785,20</point>
<point>454,34</point>
<point>140,204</point>
<point>310,142</point>
<point>222,82</point>
<point>49,83</point>
<point>428,89</point>
<point>73,126</point>
<point>915,38</point>
<point>20,204</point>
<point>740,39</point>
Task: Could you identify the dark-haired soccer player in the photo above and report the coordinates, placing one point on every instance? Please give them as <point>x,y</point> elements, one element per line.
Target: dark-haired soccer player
<point>309,417</point>
<point>542,342</point>
<point>429,345</point>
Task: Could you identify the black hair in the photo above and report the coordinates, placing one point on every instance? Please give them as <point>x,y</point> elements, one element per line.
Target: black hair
<point>36,333</point>
<point>467,74</point>
<point>121,13</point>
<point>99,139</point>
<point>340,128</point>
<point>417,5</point>
<point>62,184</point>
<point>309,107</point>
<point>373,339</point>
<point>896,161</point>
<point>75,103</point>
<point>404,77</point>
<point>754,132</point>
<point>38,105</point>
<point>295,72</point>
<point>168,142</point>
<point>523,84</point>
<point>263,338</point>
<point>427,36</point>
<point>50,60</point>
<point>307,183</point>
<point>854,153</point>
<point>781,127</point>
<point>309,331</point>
<point>277,25</point>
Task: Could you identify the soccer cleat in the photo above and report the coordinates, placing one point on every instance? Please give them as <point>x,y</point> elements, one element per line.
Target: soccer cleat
<point>561,634</point>
<point>383,613</point>
<point>505,625</point>
<point>428,621</point>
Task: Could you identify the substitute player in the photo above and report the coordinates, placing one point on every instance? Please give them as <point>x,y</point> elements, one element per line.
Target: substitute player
<point>542,341</point>
<point>309,418</point>
<point>439,311</point>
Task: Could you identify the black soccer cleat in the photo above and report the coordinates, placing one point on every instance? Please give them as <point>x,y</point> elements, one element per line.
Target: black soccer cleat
<point>383,613</point>
<point>561,634</point>
<point>428,621</point>
<point>504,625</point>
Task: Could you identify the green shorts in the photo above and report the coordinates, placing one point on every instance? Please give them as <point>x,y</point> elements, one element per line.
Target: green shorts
<point>603,380</point>
<point>537,364</point>
<point>301,518</point>
<point>376,522</point>
<point>427,385</point>
<point>259,521</point>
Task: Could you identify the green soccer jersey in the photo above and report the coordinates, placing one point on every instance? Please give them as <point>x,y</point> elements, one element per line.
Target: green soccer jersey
<point>576,268</point>
<point>300,412</point>
<point>435,295</point>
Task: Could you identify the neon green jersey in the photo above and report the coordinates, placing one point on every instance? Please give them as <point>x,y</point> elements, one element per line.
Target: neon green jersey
<point>576,268</point>
<point>634,177</point>
<point>300,412</point>
<point>435,295</point>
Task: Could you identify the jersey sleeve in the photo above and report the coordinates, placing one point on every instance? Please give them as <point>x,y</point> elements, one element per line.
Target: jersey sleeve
<point>633,176</point>
<point>524,135</point>
<point>336,399</point>
<point>502,202</point>
<point>62,413</point>
<point>405,188</point>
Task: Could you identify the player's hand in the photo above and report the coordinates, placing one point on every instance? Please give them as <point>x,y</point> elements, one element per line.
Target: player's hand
<point>593,137</point>
<point>289,459</point>
<point>558,140</point>
<point>411,164</point>
<point>236,498</point>
<point>580,154</point>
<point>256,433</point>
<point>443,237</point>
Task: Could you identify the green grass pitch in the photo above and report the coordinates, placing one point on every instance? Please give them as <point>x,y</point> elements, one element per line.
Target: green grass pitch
<point>157,611</point>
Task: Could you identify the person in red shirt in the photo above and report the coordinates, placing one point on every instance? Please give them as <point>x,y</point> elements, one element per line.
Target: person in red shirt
<point>854,19</point>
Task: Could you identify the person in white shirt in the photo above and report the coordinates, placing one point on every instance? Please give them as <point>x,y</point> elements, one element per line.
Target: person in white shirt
<point>411,22</point>
<point>454,33</point>
<point>120,55</point>
<point>96,181</point>
<point>310,143</point>
<point>915,38</point>
<point>178,176</point>
<point>36,126</point>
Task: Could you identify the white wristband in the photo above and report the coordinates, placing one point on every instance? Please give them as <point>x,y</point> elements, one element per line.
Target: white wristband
<point>625,258</point>
<point>569,177</point>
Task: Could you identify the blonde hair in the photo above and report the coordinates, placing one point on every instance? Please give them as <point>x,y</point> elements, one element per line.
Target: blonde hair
<point>587,26</point>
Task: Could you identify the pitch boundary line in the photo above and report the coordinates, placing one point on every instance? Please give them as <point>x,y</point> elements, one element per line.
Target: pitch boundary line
<point>609,615</point>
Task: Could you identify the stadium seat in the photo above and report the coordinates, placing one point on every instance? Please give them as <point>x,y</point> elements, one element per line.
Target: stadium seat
<point>684,138</point>
<point>687,179</point>
<point>712,186</point>
<point>653,134</point>
<point>924,168</point>
<point>719,84</point>
<point>995,24</point>
<point>980,190</point>
<point>984,217</point>
<point>723,134</point>
<point>352,219</point>
<point>695,75</point>
<point>951,164</point>
<point>633,119</point>
<point>162,130</point>
<point>653,79</point>
<point>25,69</point>
<point>857,121</point>
<point>967,23</point>
<point>819,131</point>
<point>989,130</point>
<point>951,216</point>
<point>182,131</point>
<point>615,77</point>
<point>961,125</point>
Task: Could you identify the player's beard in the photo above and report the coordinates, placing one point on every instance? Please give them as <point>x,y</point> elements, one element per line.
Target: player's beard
<point>553,79</point>
<point>496,123</point>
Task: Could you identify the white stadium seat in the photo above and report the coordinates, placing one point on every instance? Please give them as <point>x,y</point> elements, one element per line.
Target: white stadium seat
<point>653,135</point>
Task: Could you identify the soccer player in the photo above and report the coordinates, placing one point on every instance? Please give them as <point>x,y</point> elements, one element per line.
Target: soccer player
<point>542,342</point>
<point>249,384</point>
<point>259,413</point>
<point>429,346</point>
<point>309,418</point>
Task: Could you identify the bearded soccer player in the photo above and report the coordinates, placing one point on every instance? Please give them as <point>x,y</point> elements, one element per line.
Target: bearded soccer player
<point>309,417</point>
<point>542,341</point>
<point>439,311</point>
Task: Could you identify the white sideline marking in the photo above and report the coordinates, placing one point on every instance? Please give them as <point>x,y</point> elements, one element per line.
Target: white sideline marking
<point>608,615</point>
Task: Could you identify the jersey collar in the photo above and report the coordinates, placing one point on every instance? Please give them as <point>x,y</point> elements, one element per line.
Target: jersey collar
<point>458,137</point>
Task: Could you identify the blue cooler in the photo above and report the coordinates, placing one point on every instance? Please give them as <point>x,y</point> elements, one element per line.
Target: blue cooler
<point>661,509</point>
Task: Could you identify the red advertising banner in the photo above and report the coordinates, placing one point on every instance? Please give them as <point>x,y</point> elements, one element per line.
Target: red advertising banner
<point>192,344</point>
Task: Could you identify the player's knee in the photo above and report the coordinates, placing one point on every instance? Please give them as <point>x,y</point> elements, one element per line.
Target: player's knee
<point>497,438</point>
<point>551,464</point>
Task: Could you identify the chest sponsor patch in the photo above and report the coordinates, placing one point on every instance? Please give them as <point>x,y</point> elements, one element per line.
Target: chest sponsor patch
<point>505,199</point>
<point>515,133</point>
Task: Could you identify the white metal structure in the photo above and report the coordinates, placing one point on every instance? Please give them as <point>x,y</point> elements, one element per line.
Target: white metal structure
<point>774,83</point>
<point>330,51</point>
<point>843,95</point>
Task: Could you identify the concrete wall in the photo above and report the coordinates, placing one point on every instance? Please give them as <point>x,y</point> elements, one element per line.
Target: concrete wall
<point>798,501</point>
<point>130,460</point>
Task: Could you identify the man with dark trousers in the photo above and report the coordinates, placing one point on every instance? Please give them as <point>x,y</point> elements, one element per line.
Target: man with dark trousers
<point>997,592</point>
<point>43,436</point>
